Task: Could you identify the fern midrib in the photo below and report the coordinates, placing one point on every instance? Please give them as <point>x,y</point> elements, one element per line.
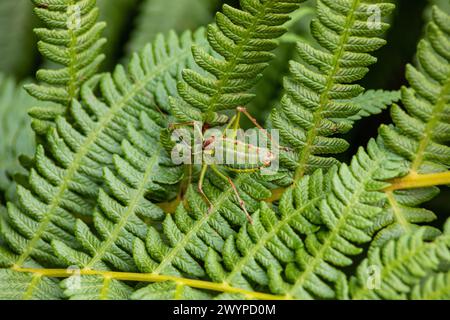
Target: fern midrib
<point>267,237</point>
<point>318,258</point>
<point>397,211</point>
<point>85,148</point>
<point>231,65</point>
<point>138,195</point>
<point>179,290</point>
<point>36,278</point>
<point>324,97</point>
<point>400,261</point>
<point>72,87</point>
<point>431,126</point>
<point>197,226</point>
<point>152,278</point>
<point>105,288</point>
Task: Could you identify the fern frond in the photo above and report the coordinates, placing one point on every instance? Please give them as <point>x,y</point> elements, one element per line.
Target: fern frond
<point>346,214</point>
<point>154,18</point>
<point>71,38</point>
<point>65,182</point>
<point>272,239</point>
<point>421,133</point>
<point>242,41</point>
<point>392,271</point>
<point>24,286</point>
<point>117,15</point>
<point>16,136</point>
<point>374,102</point>
<point>312,109</point>
<point>123,205</point>
<point>436,287</point>
<point>192,230</point>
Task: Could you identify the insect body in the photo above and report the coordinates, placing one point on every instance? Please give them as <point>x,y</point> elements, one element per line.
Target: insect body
<point>231,150</point>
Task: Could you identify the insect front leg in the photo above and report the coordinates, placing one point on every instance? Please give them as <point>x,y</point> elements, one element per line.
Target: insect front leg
<point>245,112</point>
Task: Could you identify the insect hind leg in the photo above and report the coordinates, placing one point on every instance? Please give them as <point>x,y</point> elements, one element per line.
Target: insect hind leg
<point>245,112</point>
<point>233,186</point>
<point>200,188</point>
<point>241,202</point>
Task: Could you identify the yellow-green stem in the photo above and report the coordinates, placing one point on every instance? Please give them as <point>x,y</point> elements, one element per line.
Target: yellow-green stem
<point>150,277</point>
<point>414,181</point>
<point>411,181</point>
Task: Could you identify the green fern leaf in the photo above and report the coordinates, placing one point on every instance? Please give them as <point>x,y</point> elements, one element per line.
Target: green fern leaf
<point>435,287</point>
<point>24,286</point>
<point>272,239</point>
<point>192,230</point>
<point>71,38</point>
<point>65,182</point>
<point>422,132</point>
<point>392,271</point>
<point>169,291</point>
<point>95,288</point>
<point>242,41</point>
<point>345,215</point>
<point>124,207</point>
<point>374,102</point>
<point>311,111</point>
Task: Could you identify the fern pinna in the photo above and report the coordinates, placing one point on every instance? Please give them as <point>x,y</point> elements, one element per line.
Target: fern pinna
<point>396,278</point>
<point>421,133</point>
<point>242,41</point>
<point>71,38</point>
<point>316,104</point>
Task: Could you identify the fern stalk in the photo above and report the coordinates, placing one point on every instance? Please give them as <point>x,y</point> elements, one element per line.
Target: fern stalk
<point>148,277</point>
<point>414,181</point>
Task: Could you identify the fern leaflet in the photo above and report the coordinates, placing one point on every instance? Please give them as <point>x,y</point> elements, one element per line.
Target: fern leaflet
<point>422,132</point>
<point>435,287</point>
<point>71,38</point>
<point>345,215</point>
<point>312,109</point>
<point>242,41</point>
<point>401,264</point>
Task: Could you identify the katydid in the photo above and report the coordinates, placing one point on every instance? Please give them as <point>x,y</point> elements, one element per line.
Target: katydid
<point>230,146</point>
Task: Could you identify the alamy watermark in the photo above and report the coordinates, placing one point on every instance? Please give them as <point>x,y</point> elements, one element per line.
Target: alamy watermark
<point>73,17</point>
<point>374,20</point>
